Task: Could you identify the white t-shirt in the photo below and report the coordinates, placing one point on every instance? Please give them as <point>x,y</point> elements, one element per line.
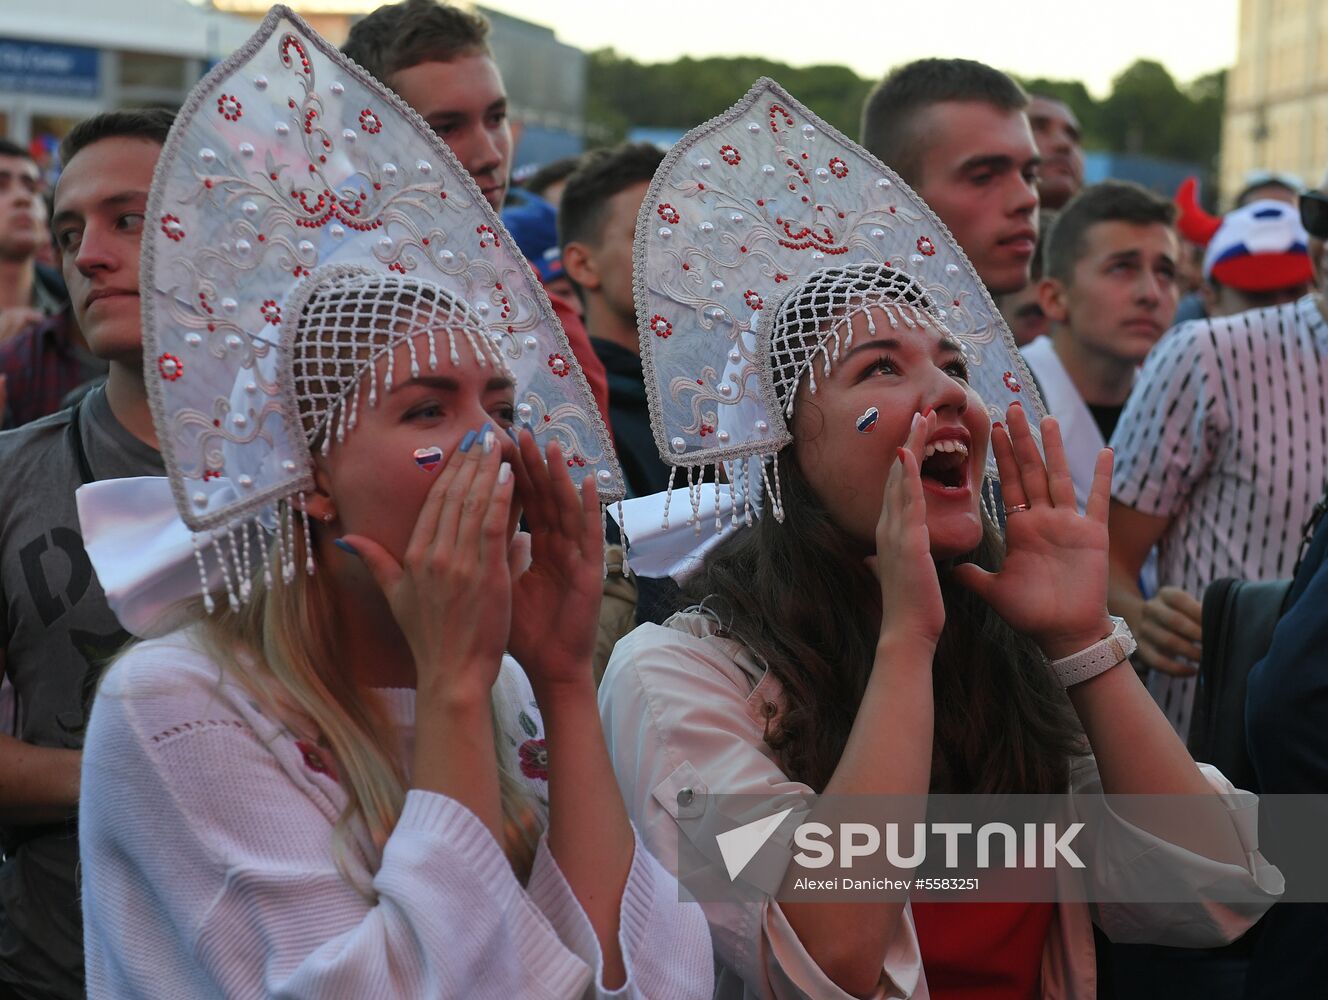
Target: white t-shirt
<point>1225,434</point>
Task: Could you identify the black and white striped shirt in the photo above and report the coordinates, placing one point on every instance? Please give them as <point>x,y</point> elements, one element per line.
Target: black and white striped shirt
<point>1225,434</point>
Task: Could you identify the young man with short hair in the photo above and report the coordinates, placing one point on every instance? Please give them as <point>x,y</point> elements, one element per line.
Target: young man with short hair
<point>1219,461</point>
<point>437,58</point>
<point>956,132</point>
<point>1059,141</point>
<point>596,228</point>
<point>27,292</point>
<point>1109,291</point>
<point>58,629</point>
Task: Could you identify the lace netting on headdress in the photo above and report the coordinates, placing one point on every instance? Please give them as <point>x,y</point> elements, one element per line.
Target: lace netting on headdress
<point>349,319</point>
<point>815,319</point>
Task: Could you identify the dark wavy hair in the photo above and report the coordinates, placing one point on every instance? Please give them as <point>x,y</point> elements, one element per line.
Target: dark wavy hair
<point>799,595</point>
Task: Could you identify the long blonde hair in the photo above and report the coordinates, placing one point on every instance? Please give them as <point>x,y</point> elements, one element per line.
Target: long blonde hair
<point>277,646</point>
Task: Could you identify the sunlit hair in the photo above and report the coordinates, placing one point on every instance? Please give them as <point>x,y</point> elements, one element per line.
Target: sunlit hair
<point>800,597</point>
<point>279,644</point>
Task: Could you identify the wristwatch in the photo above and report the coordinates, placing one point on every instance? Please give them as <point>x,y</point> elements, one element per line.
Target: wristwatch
<point>1097,658</point>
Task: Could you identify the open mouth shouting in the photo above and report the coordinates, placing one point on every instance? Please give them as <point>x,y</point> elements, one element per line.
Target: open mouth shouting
<point>945,465</point>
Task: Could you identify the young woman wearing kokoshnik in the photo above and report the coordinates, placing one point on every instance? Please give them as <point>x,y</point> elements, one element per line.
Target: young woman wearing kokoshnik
<point>808,325</point>
<point>334,782</point>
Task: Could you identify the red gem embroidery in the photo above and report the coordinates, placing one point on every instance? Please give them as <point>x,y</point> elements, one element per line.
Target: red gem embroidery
<point>313,758</point>
<point>775,111</point>
<point>170,367</point>
<point>925,246</point>
<point>669,214</point>
<point>838,167</point>
<point>212,473</point>
<point>661,326</point>
<point>753,300</point>
<point>171,226</point>
<point>1012,383</point>
<point>291,42</point>
<point>576,460</point>
<point>271,311</point>
<point>487,236</point>
<point>230,108</point>
<point>534,758</point>
<point>730,155</point>
<point>369,122</point>
<point>707,429</point>
<point>558,365</point>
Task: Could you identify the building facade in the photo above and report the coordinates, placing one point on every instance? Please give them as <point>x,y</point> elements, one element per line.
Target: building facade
<point>1277,93</point>
<point>60,64</point>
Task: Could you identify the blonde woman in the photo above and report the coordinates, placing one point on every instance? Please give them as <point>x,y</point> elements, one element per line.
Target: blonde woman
<point>329,779</point>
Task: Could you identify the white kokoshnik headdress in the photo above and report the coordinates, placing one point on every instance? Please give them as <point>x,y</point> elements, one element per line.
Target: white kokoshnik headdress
<point>763,233</point>
<point>303,222</point>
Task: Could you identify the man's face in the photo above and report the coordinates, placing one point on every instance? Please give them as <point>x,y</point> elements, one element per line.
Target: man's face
<point>610,257</point>
<point>465,103</point>
<point>1057,134</point>
<point>98,222</point>
<point>1024,315</point>
<point>1123,294</point>
<point>979,174</point>
<point>22,213</point>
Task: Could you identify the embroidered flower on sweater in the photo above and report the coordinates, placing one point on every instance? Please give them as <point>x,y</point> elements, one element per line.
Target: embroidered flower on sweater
<point>316,758</point>
<point>534,755</point>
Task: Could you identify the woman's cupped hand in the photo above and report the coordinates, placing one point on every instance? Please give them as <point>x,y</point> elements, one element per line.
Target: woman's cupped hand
<point>1052,584</point>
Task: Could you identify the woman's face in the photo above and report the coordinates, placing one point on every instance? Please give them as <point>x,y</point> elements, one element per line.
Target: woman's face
<point>846,455</point>
<point>377,478</point>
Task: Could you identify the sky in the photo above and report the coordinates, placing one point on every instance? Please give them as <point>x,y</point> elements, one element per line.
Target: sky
<point>1060,39</point>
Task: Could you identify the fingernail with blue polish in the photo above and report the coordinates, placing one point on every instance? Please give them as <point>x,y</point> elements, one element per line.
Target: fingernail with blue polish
<point>468,441</point>
<point>344,546</point>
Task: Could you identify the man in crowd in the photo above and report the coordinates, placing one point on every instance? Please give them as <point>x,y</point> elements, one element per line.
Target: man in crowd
<point>596,227</point>
<point>1109,293</point>
<point>955,130</point>
<point>437,57</point>
<point>1258,257</point>
<point>58,629</point>
<point>28,291</point>
<point>43,356</point>
<point>1023,309</point>
<point>1219,461</point>
<point>549,180</point>
<point>1059,141</point>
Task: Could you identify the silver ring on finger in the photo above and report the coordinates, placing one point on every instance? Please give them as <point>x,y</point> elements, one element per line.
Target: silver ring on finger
<point>1018,508</point>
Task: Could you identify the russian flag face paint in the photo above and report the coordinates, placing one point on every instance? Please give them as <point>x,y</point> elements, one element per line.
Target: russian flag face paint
<point>429,458</point>
<point>867,422</point>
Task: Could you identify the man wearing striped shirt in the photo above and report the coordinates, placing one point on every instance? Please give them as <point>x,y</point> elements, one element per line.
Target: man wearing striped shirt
<point>1221,454</point>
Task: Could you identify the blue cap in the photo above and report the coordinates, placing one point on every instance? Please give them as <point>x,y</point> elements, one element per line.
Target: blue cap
<point>533,223</point>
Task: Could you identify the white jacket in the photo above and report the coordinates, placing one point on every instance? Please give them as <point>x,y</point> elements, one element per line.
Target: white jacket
<point>206,835</point>
<point>682,708</point>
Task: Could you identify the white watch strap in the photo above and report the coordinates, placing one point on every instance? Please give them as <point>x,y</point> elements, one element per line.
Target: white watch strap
<point>1097,658</point>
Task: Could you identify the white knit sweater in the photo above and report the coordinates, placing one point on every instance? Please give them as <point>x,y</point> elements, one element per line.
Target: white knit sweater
<point>208,868</point>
